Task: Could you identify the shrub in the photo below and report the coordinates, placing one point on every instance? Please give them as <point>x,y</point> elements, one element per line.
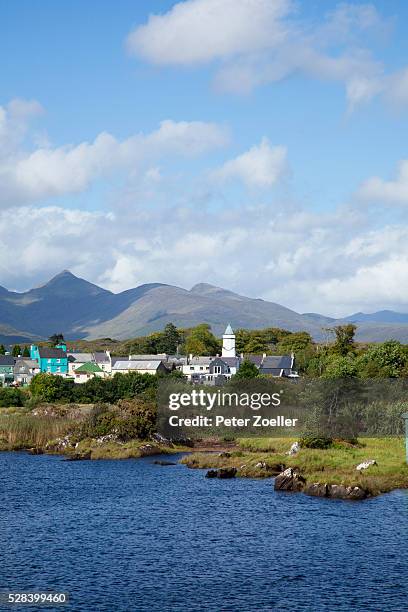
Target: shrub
<point>315,441</point>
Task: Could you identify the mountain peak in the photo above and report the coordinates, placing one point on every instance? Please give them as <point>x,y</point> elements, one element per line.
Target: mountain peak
<point>66,283</point>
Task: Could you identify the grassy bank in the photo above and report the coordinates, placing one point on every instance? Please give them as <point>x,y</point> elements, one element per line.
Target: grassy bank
<point>25,430</point>
<point>336,465</point>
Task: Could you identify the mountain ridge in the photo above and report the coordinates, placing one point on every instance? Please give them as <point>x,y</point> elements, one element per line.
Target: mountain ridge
<point>82,310</point>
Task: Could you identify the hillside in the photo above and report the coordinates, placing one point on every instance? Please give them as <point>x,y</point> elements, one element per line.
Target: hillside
<point>80,309</point>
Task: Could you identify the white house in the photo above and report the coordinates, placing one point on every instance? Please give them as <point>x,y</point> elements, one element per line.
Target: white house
<point>123,366</point>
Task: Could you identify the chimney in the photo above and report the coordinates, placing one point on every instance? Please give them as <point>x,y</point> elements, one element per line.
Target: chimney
<point>190,356</point>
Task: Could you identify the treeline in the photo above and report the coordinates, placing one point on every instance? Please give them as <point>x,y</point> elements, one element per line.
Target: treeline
<point>49,389</point>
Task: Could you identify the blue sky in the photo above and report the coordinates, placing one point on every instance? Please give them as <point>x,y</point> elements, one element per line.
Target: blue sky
<point>256,144</point>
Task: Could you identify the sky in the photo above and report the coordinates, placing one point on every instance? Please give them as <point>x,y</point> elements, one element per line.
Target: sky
<point>257,145</point>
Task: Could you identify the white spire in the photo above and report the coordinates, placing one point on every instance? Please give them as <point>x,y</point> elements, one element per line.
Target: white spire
<point>228,342</point>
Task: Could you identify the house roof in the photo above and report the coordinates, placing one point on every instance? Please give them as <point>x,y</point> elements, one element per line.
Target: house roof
<point>101,357</point>
<point>200,360</point>
<point>255,359</point>
<point>151,357</point>
<point>28,363</point>
<point>80,357</point>
<point>6,360</point>
<point>273,362</point>
<point>230,361</point>
<point>137,365</point>
<point>51,353</point>
<point>88,368</point>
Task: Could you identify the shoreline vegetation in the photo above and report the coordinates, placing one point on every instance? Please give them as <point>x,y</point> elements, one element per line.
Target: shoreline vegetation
<point>126,430</point>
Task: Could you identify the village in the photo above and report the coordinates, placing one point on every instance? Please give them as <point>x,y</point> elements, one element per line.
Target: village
<point>82,367</point>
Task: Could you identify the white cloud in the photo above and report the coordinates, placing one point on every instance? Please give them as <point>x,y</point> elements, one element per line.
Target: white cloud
<point>261,166</point>
<point>29,175</point>
<point>199,31</point>
<point>292,259</point>
<point>376,189</point>
<point>254,42</point>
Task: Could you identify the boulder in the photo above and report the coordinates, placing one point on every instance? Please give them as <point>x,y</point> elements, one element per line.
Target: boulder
<point>289,480</point>
<point>79,456</point>
<point>343,492</point>
<point>165,462</point>
<point>366,464</point>
<point>295,448</point>
<point>227,472</point>
<point>224,455</point>
<point>261,464</point>
<point>146,450</point>
<point>316,489</point>
<point>222,473</point>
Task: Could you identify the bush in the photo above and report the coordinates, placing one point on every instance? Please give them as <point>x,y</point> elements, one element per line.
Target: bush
<point>314,441</point>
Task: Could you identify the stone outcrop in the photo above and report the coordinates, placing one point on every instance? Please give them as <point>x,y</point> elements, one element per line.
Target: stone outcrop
<point>222,473</point>
<point>294,449</point>
<point>289,480</point>
<point>366,464</point>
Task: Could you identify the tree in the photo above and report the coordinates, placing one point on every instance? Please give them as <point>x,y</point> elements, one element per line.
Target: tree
<point>26,352</point>
<point>56,339</point>
<point>338,366</point>
<point>344,342</point>
<point>388,359</point>
<point>247,370</point>
<point>202,341</point>
<point>50,388</point>
<point>2,349</point>
<point>16,350</point>
<point>297,341</point>
<point>169,340</point>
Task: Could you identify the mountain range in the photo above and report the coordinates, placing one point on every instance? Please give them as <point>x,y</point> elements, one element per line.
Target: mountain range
<point>81,310</point>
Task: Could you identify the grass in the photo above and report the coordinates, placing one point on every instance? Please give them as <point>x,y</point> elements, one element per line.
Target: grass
<point>24,430</point>
<point>335,465</point>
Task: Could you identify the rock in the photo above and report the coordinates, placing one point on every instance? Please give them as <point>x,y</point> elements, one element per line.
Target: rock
<point>316,489</point>
<point>148,449</point>
<point>295,448</point>
<point>79,456</point>
<point>112,437</point>
<point>224,454</point>
<point>343,492</point>
<point>366,464</point>
<point>35,451</point>
<point>261,464</point>
<point>162,440</point>
<point>164,462</point>
<point>289,480</point>
<point>227,472</point>
<point>222,473</point>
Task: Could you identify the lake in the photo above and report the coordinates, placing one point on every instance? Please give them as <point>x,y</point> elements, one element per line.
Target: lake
<point>135,536</point>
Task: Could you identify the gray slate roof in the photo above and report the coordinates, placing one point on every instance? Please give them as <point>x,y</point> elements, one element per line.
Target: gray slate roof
<point>51,353</point>
<point>6,360</point>
<point>137,365</point>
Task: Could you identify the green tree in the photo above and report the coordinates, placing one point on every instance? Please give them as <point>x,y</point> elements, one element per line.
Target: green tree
<point>339,366</point>
<point>26,352</point>
<point>202,341</point>
<point>169,340</point>
<point>344,342</point>
<point>56,339</point>
<point>2,349</point>
<point>50,388</point>
<point>297,341</point>
<point>247,370</point>
<point>16,350</point>
<point>386,360</point>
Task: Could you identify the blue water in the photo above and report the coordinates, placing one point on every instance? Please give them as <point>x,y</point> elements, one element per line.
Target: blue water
<point>134,536</point>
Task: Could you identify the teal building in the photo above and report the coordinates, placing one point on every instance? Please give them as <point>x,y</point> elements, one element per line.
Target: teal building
<point>51,360</point>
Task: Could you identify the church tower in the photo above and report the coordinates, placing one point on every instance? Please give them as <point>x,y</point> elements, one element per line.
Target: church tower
<point>228,343</point>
